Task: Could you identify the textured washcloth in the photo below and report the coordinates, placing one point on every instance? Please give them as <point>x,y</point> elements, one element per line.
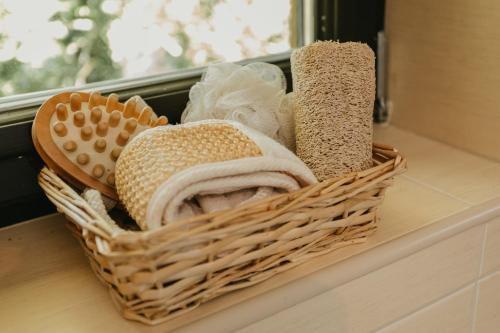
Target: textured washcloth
<point>334,92</point>
<point>174,172</point>
<point>254,95</point>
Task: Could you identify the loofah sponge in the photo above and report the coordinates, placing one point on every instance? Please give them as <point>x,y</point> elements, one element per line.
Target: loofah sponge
<point>334,92</point>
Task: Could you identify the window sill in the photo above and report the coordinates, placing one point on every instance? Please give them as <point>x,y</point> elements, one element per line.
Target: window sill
<point>19,108</point>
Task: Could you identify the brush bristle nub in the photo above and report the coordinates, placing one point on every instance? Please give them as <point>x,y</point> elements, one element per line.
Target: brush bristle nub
<point>95,115</point>
<point>160,121</point>
<point>94,99</point>
<point>131,125</point>
<point>129,108</point>
<point>70,146</point>
<point>102,128</point>
<point>115,153</point>
<point>145,116</point>
<point>61,111</point>
<point>75,101</point>
<point>114,118</point>
<point>60,129</point>
<point>111,103</point>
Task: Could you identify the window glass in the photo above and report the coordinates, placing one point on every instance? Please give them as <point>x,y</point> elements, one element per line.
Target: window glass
<point>57,43</point>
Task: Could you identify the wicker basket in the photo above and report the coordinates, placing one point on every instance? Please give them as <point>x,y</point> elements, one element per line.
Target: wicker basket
<point>156,275</point>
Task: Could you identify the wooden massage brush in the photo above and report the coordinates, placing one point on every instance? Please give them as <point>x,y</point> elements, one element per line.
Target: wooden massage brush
<point>80,136</point>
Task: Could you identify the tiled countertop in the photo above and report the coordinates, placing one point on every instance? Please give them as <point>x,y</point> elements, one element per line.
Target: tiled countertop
<point>47,285</point>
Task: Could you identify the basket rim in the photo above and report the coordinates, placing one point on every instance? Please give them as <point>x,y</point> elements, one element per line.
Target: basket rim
<point>66,199</point>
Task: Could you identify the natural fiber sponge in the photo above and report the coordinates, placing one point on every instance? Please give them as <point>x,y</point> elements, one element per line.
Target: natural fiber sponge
<point>156,155</point>
<point>334,92</point>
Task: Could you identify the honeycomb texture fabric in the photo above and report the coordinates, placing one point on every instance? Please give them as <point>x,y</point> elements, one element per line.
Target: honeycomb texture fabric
<point>334,92</point>
<point>175,163</point>
<point>157,155</point>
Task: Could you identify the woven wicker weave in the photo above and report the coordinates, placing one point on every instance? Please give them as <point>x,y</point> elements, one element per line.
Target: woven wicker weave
<point>156,275</point>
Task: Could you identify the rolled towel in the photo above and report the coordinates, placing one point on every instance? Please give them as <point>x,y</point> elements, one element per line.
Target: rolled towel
<point>170,173</point>
<point>334,92</point>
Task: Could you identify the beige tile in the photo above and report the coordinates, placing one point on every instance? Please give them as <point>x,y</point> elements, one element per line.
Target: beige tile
<point>387,294</point>
<point>488,307</point>
<point>491,259</point>
<point>443,70</point>
<point>451,314</point>
<point>463,175</point>
<point>409,206</point>
<point>37,248</point>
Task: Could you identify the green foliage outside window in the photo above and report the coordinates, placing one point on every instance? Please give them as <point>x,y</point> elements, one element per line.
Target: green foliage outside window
<point>85,52</point>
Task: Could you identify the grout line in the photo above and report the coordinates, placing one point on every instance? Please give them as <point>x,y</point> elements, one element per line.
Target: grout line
<point>483,250</point>
<point>419,182</point>
<point>415,312</point>
<point>475,300</point>
<point>489,276</point>
<point>471,284</point>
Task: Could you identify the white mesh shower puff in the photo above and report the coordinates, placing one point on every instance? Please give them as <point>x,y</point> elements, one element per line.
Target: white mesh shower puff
<point>254,95</point>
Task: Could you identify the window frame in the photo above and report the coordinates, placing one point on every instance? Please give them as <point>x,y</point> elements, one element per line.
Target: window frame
<point>22,107</point>
<point>22,199</point>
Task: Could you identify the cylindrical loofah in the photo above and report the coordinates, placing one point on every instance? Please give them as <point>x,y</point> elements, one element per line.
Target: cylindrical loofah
<point>334,92</point>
